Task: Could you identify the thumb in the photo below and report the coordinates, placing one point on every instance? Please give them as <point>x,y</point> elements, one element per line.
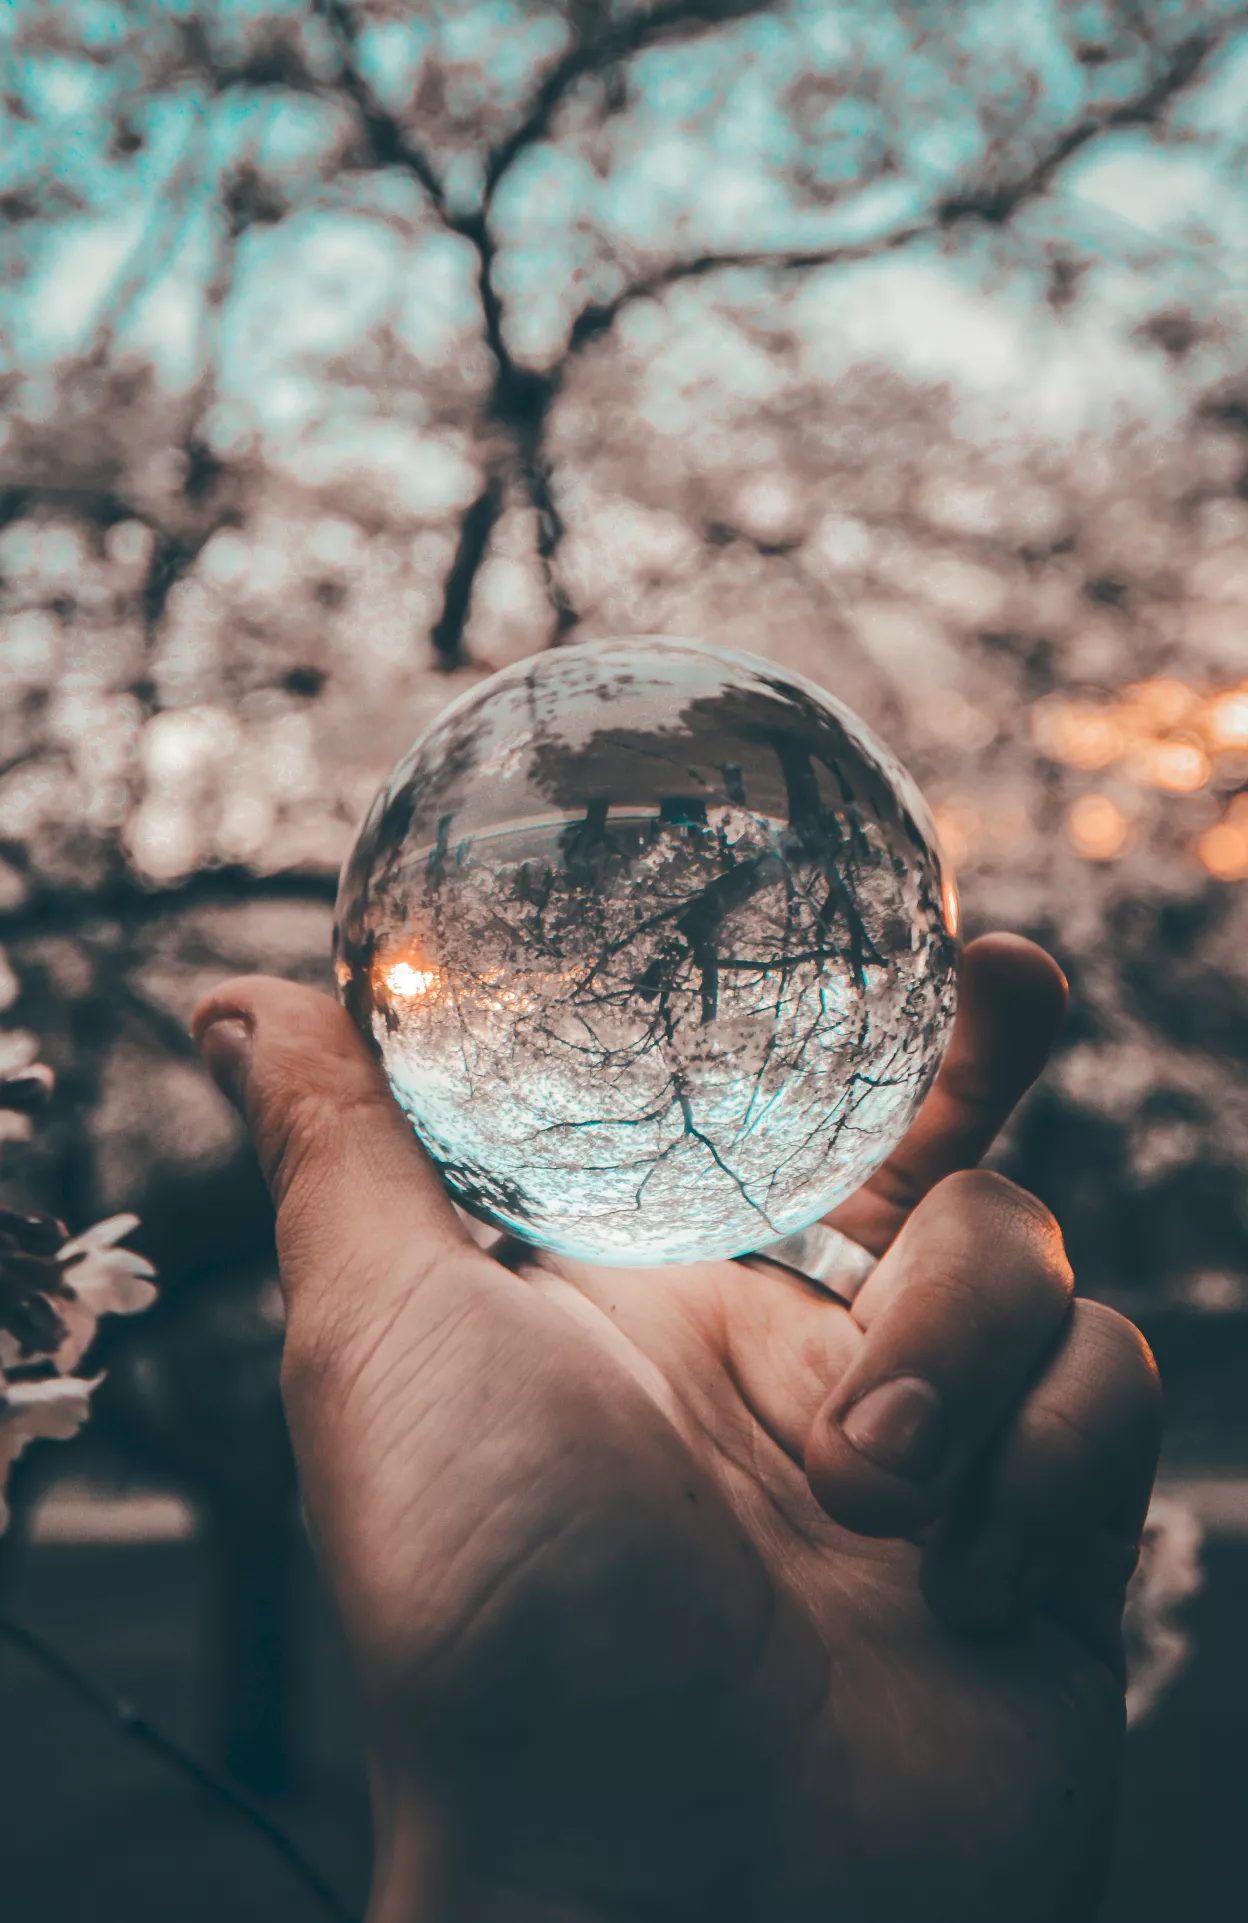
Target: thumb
<point>400,1333</point>
<point>352,1187</point>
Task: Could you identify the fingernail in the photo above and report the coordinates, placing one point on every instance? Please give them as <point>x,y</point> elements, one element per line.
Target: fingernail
<point>900,1426</point>
<point>225,1046</point>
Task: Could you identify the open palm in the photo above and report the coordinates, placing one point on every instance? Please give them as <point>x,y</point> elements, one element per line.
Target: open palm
<point>691,1593</point>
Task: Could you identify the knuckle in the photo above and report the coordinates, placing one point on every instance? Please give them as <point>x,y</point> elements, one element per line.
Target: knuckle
<point>994,1198</point>
<point>1118,1348</point>
<point>1058,1433</point>
<point>990,1215</point>
<point>1100,1405</point>
<point>1050,1277</point>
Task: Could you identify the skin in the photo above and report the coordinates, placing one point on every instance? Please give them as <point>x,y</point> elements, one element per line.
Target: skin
<point>652,1613</point>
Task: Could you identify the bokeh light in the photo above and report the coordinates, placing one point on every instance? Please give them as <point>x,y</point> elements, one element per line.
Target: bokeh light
<point>1163,734</point>
<point>1226,719</point>
<point>1097,828</point>
<point>959,826</point>
<point>1223,850</point>
<point>1179,766</point>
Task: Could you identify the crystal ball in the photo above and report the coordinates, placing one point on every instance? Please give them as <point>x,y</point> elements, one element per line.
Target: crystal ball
<point>655,946</point>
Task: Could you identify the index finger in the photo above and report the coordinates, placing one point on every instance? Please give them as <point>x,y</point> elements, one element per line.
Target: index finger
<point>1011,1001</point>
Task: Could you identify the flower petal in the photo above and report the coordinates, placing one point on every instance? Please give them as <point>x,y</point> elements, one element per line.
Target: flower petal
<point>18,1049</point>
<point>101,1235</point>
<point>77,1276</point>
<point>56,1407</point>
<point>110,1288</point>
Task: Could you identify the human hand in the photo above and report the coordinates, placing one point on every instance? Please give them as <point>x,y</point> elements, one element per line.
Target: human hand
<point>688,1593</point>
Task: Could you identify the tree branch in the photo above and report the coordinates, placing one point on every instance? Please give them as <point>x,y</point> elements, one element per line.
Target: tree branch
<point>996,205</point>
<point>156,241</point>
<point>389,144</point>
<point>521,400</point>
<point>125,897</point>
<point>992,204</point>
<point>620,42</point>
<point>475,529</point>
<point>598,318</point>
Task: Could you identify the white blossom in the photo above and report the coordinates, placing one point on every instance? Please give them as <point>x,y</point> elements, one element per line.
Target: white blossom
<point>56,1406</point>
<point>89,1276</point>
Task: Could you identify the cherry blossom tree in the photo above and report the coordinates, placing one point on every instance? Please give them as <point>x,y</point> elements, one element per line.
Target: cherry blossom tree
<point>354,350</point>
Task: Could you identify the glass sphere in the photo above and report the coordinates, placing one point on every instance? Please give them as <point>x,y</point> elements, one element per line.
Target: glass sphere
<point>655,946</point>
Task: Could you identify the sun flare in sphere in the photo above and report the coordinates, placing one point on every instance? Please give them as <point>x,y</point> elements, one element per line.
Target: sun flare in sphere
<point>402,978</point>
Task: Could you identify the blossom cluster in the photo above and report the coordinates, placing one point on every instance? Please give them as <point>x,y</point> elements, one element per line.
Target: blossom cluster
<point>53,1290</point>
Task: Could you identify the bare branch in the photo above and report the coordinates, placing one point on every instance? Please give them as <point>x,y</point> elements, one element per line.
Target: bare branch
<point>475,529</point>
<point>127,898</point>
<point>993,204</point>
<point>388,143</point>
<point>620,42</point>
<point>520,404</point>
<point>598,318</point>
<point>550,533</point>
<point>156,241</point>
<point>522,399</point>
<point>998,204</point>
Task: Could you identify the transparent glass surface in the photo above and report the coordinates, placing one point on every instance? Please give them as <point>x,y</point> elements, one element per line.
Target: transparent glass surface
<point>655,946</point>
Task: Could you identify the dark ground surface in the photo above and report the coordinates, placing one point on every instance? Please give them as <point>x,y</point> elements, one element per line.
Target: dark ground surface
<point>93,1831</point>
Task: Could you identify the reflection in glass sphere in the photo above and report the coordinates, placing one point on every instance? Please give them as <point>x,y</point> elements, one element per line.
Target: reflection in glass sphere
<point>654,944</point>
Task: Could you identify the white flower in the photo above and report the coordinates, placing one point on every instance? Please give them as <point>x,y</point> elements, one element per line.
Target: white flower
<point>103,1280</point>
<point>85,1278</point>
<point>57,1407</point>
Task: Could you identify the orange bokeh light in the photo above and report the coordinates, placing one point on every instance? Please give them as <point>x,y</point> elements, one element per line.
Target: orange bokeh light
<point>1087,738</point>
<point>1225,719</point>
<point>1223,850</point>
<point>1164,733</point>
<point>958,826</point>
<point>1177,765</point>
<point>1097,828</point>
<point>1161,703</point>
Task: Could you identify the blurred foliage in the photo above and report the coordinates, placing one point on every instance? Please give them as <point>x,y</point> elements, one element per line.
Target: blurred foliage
<point>349,351</point>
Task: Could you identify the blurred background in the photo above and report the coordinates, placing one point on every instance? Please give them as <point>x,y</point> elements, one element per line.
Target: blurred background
<point>350,349</point>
